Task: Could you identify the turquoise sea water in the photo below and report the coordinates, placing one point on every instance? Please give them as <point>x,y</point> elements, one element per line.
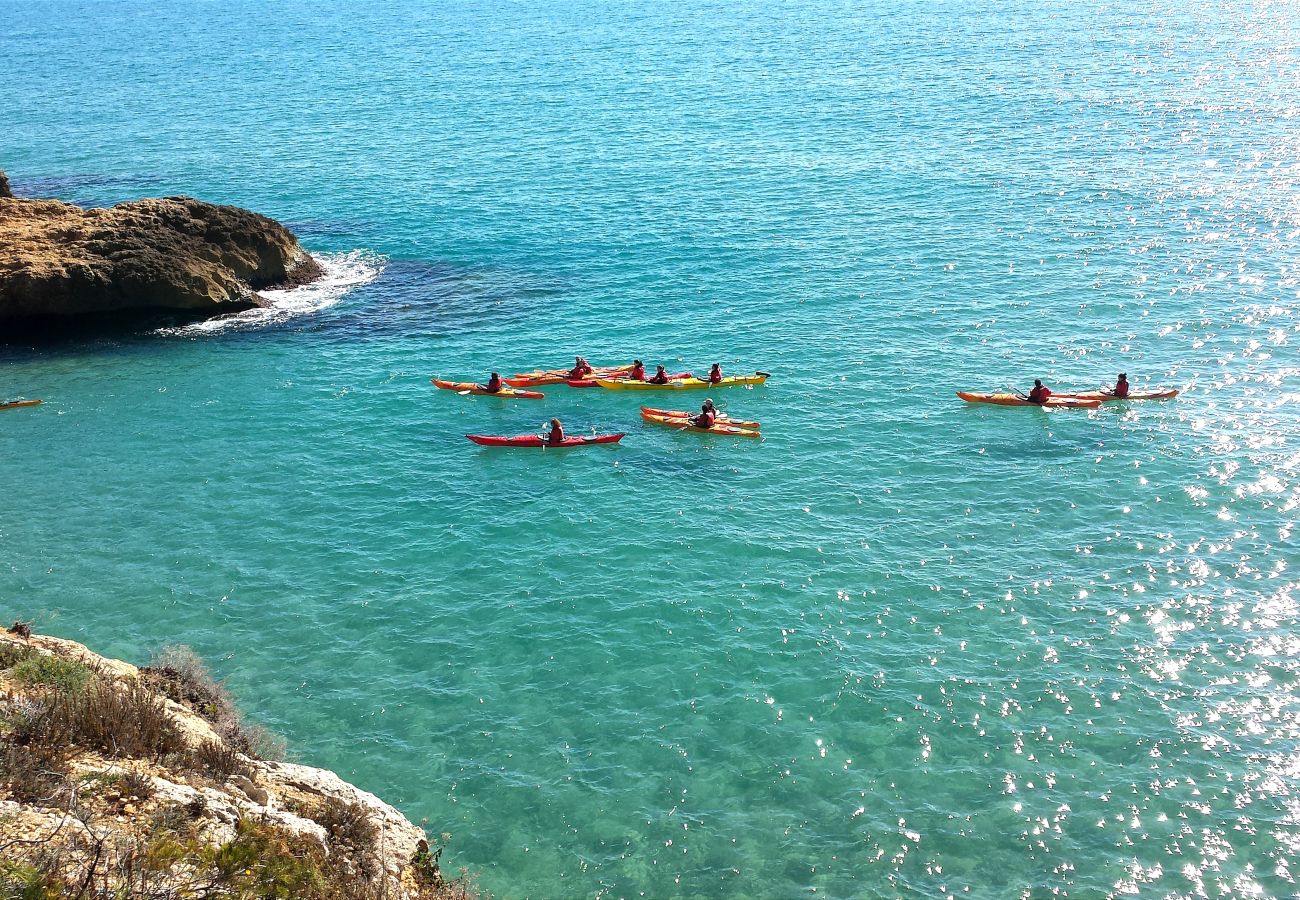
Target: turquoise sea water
<point>901,646</point>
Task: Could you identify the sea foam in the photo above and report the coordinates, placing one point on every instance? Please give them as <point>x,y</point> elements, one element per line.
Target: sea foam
<point>342,273</point>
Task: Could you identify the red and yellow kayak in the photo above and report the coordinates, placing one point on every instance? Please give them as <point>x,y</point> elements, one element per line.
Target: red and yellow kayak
<point>591,382</point>
<point>627,384</point>
<point>19,404</point>
<point>1106,398</point>
<point>539,377</point>
<point>1053,402</point>
<point>536,440</point>
<point>474,388</point>
<point>679,414</point>
<point>684,425</point>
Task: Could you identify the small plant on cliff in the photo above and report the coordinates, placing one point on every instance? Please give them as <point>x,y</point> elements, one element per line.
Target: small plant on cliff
<point>67,676</point>
<point>347,823</point>
<point>179,673</point>
<point>216,761</point>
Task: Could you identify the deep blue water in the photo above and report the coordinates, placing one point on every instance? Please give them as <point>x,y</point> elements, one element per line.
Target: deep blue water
<point>899,646</point>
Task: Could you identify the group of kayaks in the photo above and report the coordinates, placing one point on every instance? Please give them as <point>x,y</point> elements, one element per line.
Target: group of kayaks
<point>615,378</point>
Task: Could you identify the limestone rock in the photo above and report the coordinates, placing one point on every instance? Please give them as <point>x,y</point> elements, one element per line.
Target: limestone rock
<point>4,186</point>
<point>175,255</point>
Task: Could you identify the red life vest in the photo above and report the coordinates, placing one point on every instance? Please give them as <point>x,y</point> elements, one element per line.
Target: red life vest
<point>1121,389</point>
<point>1039,394</point>
<point>637,373</point>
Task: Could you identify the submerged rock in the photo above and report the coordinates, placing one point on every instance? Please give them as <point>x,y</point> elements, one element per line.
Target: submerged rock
<point>60,263</point>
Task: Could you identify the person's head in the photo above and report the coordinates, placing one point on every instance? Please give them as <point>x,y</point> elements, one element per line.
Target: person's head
<point>578,360</point>
<point>496,376</point>
<point>716,367</point>
<point>708,404</point>
<point>636,362</point>
<point>658,369</point>
<point>1038,382</point>
<point>555,423</point>
<point>1123,376</point>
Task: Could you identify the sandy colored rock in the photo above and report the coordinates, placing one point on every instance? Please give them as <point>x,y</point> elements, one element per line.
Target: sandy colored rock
<point>111,800</point>
<point>175,255</point>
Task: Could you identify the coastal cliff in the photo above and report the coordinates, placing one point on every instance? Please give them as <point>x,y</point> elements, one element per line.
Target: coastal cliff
<point>60,263</point>
<point>125,781</point>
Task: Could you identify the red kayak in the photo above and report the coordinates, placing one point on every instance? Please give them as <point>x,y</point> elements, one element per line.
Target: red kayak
<point>535,440</point>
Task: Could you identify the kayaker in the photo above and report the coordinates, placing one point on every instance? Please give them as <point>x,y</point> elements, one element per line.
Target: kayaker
<point>707,416</point>
<point>715,374</point>
<point>1120,389</point>
<point>493,385</point>
<point>580,369</point>
<point>659,377</point>
<point>638,371</point>
<point>1040,393</point>
<point>556,434</point>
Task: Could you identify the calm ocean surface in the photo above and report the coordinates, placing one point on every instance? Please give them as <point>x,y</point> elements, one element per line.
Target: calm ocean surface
<point>899,647</point>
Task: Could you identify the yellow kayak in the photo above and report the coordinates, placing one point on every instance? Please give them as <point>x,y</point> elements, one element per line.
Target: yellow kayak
<point>684,425</point>
<point>682,414</point>
<point>684,384</point>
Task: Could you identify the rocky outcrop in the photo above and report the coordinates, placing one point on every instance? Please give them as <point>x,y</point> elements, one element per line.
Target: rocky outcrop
<point>4,186</point>
<point>134,780</point>
<point>174,255</point>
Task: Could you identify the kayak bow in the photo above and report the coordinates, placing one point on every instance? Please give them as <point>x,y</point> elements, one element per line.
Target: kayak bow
<point>18,404</point>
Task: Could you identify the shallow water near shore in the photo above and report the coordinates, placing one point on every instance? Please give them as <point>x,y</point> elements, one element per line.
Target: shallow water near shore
<point>900,646</point>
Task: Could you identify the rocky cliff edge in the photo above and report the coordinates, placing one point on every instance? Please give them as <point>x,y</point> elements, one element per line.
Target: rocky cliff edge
<point>173,255</point>
<point>125,781</point>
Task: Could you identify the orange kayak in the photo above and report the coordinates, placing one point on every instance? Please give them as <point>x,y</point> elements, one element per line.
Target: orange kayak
<point>1014,400</point>
<point>538,377</point>
<point>683,425</point>
<point>18,404</point>
<point>474,388</point>
<point>680,414</point>
<point>1106,398</point>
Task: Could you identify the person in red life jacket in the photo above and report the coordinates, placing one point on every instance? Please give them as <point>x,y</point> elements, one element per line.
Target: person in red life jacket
<point>707,416</point>
<point>1120,389</point>
<point>1040,393</point>
<point>638,371</point>
<point>493,385</point>
<point>580,369</point>
<point>556,434</point>
<point>659,377</point>
<point>715,374</point>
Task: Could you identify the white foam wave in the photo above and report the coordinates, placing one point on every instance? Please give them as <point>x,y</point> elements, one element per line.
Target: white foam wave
<point>343,272</point>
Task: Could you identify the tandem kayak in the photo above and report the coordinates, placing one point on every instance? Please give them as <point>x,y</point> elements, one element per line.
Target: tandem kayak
<point>1013,400</point>
<point>538,377</point>
<point>19,404</point>
<point>534,440</point>
<point>627,384</point>
<point>473,388</point>
<point>684,425</point>
<point>1107,398</point>
<point>591,382</point>
<point>680,414</point>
